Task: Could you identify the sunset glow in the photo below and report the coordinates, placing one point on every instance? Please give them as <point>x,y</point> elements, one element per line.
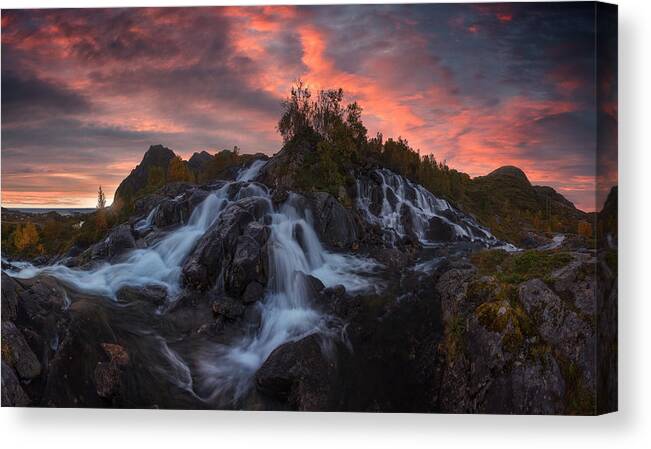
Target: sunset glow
<point>86,92</point>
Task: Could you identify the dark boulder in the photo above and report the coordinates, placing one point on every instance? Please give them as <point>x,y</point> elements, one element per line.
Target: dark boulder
<point>216,248</point>
<point>334,223</point>
<point>142,206</point>
<point>253,292</point>
<point>440,230</point>
<point>154,294</point>
<point>178,210</point>
<point>300,374</point>
<point>119,241</point>
<point>227,307</point>
<point>108,373</point>
<point>247,266</point>
<point>279,195</point>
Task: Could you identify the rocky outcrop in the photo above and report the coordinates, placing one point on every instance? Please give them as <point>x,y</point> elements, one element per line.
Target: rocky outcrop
<point>525,348</point>
<point>216,250</point>
<point>157,157</point>
<point>178,209</point>
<point>334,223</point>
<point>248,263</point>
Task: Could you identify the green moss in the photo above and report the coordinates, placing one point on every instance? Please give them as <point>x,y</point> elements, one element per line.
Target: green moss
<point>519,267</point>
<point>507,317</point>
<point>578,399</point>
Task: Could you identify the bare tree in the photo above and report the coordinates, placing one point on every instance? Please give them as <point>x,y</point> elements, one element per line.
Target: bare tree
<point>101,199</point>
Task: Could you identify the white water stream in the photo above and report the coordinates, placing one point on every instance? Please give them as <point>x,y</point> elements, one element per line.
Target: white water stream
<point>399,194</point>
<point>286,312</point>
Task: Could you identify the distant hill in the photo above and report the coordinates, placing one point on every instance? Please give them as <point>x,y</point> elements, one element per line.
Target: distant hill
<point>507,202</point>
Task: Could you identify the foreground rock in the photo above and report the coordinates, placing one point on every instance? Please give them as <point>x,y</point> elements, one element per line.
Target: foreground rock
<point>301,374</point>
<point>526,348</point>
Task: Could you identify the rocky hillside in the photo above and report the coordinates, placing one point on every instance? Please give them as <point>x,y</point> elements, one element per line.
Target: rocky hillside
<point>506,202</point>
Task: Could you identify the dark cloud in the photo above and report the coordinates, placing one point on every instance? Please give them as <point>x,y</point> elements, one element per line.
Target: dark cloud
<point>26,98</point>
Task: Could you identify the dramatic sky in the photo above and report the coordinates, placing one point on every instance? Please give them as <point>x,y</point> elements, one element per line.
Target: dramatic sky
<point>86,91</point>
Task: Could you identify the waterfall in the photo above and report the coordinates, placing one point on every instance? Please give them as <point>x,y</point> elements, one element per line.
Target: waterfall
<point>387,204</point>
<point>287,313</point>
<point>250,173</point>
<point>159,264</point>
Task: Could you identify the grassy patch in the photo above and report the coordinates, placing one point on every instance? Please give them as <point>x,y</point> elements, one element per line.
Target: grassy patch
<point>520,267</point>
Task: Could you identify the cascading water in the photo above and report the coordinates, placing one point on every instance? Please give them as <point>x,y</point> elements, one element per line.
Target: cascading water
<point>160,264</point>
<point>286,311</point>
<point>146,222</point>
<point>387,203</point>
<point>250,173</point>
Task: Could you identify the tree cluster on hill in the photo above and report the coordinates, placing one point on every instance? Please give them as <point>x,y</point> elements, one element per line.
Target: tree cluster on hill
<point>334,145</point>
<point>340,145</point>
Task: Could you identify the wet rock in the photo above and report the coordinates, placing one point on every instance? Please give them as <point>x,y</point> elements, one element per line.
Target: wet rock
<point>142,206</point>
<point>178,209</point>
<point>334,223</point>
<point>300,374</point>
<point>176,189</point>
<point>13,394</point>
<point>17,353</point>
<point>253,292</point>
<point>216,247</point>
<point>279,195</point>
<point>532,240</point>
<point>119,241</point>
<point>246,266</point>
<point>108,374</point>
<point>73,377</point>
<point>440,231</point>
<point>171,212</point>
<point>227,307</point>
<point>154,294</point>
